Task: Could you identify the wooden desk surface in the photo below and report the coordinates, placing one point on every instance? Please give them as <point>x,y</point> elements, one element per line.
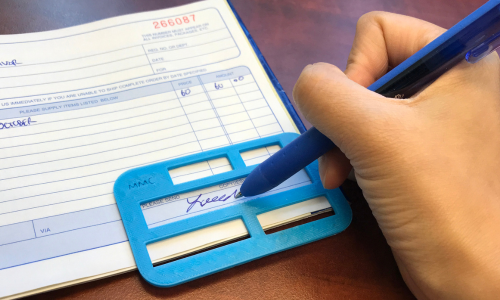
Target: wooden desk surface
<point>356,264</point>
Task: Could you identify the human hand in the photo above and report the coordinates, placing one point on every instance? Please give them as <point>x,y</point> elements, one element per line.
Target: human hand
<point>428,166</point>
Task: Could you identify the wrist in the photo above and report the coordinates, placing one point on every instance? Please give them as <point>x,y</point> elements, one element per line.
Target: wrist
<point>461,261</point>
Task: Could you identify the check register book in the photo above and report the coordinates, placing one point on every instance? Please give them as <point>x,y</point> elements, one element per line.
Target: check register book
<point>81,105</point>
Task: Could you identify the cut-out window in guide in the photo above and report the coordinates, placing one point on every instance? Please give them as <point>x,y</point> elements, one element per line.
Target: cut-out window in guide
<point>257,156</point>
<point>178,207</point>
<point>200,170</point>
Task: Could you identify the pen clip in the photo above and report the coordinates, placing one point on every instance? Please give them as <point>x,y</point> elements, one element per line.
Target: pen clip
<point>485,48</point>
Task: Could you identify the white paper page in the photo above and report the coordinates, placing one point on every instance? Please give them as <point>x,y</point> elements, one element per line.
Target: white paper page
<point>81,105</point>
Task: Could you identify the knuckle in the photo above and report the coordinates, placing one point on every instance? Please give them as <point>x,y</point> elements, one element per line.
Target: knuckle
<point>370,18</point>
<point>308,85</point>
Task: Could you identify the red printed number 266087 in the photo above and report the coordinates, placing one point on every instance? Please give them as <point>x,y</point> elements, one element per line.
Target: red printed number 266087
<point>174,21</point>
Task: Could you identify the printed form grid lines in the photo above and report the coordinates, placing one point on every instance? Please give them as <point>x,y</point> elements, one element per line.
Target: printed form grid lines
<point>96,100</point>
<point>209,111</point>
<point>102,223</point>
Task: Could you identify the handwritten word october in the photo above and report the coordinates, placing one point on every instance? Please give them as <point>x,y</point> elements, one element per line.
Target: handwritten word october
<point>17,123</point>
<point>204,202</point>
<point>9,63</point>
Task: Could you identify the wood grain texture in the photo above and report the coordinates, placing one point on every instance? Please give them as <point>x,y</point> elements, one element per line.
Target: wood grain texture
<point>356,264</point>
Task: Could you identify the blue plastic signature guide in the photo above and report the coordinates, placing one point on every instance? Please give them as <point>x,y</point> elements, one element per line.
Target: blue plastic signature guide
<point>160,185</point>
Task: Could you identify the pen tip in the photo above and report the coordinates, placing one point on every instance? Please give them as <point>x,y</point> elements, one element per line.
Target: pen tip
<point>239,195</point>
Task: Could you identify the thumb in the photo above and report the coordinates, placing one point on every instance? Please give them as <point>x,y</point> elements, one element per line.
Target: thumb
<point>353,117</point>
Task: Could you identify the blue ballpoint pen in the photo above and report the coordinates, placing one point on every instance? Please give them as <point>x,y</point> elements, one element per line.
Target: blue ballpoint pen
<point>472,39</point>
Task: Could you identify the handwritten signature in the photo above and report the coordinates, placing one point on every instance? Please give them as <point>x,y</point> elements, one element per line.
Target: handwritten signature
<point>9,63</point>
<point>17,123</point>
<point>204,202</point>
